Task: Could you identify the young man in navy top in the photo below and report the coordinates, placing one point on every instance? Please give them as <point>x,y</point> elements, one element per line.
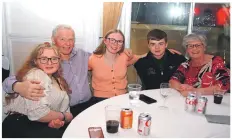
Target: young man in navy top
<point>159,64</point>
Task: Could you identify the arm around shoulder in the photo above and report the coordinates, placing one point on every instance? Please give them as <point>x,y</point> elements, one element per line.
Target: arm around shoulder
<point>7,84</point>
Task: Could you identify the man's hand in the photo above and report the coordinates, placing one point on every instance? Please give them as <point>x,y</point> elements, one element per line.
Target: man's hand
<point>30,89</point>
<point>174,51</point>
<point>56,124</point>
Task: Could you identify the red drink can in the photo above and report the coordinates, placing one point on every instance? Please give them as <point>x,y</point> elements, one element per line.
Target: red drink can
<point>201,105</point>
<point>190,102</point>
<point>144,124</point>
<point>126,118</point>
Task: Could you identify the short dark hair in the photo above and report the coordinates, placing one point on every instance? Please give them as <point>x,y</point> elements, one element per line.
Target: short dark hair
<point>157,34</point>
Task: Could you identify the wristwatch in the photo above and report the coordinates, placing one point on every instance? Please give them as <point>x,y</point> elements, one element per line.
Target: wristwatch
<point>64,119</point>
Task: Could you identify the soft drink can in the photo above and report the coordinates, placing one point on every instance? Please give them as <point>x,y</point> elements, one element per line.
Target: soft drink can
<point>201,105</point>
<point>190,102</point>
<point>144,124</point>
<point>126,118</point>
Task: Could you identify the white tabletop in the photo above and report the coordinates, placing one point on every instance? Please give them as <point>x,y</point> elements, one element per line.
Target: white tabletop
<point>174,122</point>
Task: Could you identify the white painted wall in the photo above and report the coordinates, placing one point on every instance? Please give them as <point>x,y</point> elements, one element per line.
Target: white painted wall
<point>27,23</point>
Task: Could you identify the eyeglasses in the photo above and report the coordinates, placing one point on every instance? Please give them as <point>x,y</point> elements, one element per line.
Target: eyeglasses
<point>112,41</point>
<point>191,46</point>
<point>44,60</point>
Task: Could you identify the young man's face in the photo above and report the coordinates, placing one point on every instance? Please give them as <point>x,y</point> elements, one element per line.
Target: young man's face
<point>64,40</point>
<point>157,48</point>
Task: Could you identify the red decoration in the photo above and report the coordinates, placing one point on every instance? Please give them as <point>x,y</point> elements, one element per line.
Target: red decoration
<point>196,11</point>
<point>222,15</point>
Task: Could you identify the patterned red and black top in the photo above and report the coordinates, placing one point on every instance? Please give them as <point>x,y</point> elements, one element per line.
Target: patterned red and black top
<point>212,73</point>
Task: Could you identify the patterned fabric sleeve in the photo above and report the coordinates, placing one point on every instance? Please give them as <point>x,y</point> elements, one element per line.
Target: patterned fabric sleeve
<point>221,73</point>
<point>38,109</point>
<point>179,74</point>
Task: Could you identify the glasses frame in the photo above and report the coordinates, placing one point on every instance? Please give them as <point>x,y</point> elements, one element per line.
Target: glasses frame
<point>47,59</point>
<point>194,46</point>
<point>113,41</point>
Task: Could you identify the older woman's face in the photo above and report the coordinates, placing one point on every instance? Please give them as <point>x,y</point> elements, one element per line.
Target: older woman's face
<point>195,49</point>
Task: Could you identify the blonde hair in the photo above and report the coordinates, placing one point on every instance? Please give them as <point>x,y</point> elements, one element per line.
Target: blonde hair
<point>30,64</point>
<point>101,49</point>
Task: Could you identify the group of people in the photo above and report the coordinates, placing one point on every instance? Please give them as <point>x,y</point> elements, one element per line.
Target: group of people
<point>52,86</point>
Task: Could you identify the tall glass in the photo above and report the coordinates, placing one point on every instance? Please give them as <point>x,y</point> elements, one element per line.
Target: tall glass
<point>134,92</point>
<point>164,92</point>
<point>112,114</point>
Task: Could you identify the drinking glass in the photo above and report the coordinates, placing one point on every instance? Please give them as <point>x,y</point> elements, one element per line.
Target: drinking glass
<point>112,114</point>
<point>218,95</point>
<point>164,92</point>
<point>134,90</point>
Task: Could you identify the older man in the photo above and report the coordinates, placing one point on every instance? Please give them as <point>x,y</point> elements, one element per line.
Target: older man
<point>75,70</point>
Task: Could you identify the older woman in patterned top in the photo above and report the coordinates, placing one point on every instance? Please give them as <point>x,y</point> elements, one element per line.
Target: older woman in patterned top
<point>45,117</point>
<point>202,73</point>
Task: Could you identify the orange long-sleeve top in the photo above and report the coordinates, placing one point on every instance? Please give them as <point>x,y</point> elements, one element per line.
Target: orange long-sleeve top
<point>109,81</point>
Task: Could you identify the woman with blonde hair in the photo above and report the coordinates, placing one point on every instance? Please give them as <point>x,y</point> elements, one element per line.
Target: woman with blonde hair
<point>45,117</point>
<point>202,73</point>
<point>109,64</point>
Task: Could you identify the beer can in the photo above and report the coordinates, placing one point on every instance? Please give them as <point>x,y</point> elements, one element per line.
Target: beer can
<point>201,105</point>
<point>144,124</point>
<point>190,102</point>
<point>126,118</point>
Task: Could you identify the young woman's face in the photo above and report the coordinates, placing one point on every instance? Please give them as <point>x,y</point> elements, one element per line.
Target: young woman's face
<point>114,43</point>
<point>48,61</point>
<point>195,49</point>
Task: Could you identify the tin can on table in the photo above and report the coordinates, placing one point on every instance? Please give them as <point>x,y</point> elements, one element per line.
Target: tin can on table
<point>201,105</point>
<point>190,102</point>
<point>144,124</point>
<point>126,118</point>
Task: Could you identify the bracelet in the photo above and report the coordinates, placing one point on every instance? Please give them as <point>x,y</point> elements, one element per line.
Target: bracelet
<point>64,117</point>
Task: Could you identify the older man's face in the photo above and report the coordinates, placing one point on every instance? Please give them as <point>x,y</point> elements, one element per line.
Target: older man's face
<point>64,40</point>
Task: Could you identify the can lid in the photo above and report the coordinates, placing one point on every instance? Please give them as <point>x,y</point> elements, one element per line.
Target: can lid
<point>126,109</point>
<point>145,115</point>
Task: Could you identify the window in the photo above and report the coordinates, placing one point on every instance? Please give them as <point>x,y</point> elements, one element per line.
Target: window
<point>213,20</point>
<point>176,19</point>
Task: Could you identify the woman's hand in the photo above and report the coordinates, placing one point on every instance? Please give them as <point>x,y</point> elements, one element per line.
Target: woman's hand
<point>184,93</point>
<point>185,87</point>
<point>68,116</point>
<point>56,123</point>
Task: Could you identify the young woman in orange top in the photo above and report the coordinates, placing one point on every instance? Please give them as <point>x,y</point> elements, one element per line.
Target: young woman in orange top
<point>109,65</point>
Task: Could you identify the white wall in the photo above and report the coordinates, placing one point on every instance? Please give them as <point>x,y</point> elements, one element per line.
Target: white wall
<point>27,23</point>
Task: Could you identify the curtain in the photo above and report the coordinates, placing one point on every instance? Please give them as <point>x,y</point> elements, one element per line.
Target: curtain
<point>111,15</point>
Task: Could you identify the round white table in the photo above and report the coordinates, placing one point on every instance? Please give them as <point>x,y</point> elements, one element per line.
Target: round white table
<point>174,122</point>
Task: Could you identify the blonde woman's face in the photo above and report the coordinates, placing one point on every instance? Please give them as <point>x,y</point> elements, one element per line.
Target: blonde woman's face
<point>48,61</point>
<point>195,49</point>
<point>114,43</point>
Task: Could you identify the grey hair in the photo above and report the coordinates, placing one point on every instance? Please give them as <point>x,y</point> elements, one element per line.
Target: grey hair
<point>61,26</point>
<point>194,37</point>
